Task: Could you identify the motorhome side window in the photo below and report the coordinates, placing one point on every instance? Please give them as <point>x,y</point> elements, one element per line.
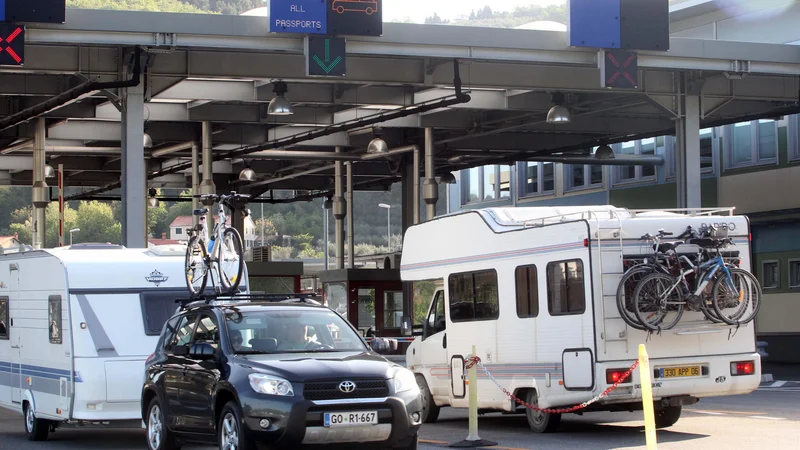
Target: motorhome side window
<point>565,288</point>
<point>436,320</point>
<point>54,318</point>
<point>4,318</point>
<point>473,296</point>
<point>527,291</point>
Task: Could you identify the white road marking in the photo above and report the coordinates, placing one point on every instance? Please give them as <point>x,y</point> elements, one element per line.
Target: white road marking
<point>766,417</point>
<point>778,384</point>
<point>713,413</point>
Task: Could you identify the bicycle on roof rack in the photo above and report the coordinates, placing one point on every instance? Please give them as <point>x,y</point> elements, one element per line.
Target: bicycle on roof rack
<point>221,253</point>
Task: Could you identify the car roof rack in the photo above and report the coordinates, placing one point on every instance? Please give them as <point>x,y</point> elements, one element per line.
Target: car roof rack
<point>219,300</point>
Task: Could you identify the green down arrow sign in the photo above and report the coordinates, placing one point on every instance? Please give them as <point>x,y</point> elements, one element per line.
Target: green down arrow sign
<point>326,56</point>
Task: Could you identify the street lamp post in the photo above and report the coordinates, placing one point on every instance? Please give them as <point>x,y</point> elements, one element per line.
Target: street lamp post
<point>74,230</point>
<point>388,224</point>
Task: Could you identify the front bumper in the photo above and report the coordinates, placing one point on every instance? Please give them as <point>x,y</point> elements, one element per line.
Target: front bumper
<point>294,420</point>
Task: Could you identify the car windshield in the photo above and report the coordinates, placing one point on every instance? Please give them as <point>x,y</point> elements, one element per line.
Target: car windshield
<point>290,331</point>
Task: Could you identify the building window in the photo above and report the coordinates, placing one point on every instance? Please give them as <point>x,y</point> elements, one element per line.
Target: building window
<point>580,176</point>
<point>473,296</point>
<point>566,293</point>
<point>54,318</point>
<point>4,318</point>
<point>485,183</point>
<point>527,287</point>
<point>629,174</point>
<point>504,173</point>
<point>770,275</point>
<point>751,143</point>
<point>178,231</point>
<point>793,133</point>
<point>537,178</point>
<point>794,273</point>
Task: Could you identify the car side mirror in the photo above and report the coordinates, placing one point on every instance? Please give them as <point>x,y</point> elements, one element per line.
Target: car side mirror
<point>383,345</point>
<point>405,326</point>
<point>202,351</point>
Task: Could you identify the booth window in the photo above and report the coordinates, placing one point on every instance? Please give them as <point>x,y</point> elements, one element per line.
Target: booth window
<point>54,318</point>
<point>4,325</point>
<point>473,296</point>
<point>527,291</point>
<point>770,274</point>
<point>566,293</point>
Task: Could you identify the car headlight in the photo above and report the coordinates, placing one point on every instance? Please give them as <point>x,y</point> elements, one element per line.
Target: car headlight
<point>404,380</point>
<point>265,384</point>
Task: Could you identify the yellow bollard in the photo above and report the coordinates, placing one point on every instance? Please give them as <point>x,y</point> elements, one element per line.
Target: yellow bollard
<point>473,440</point>
<point>647,399</point>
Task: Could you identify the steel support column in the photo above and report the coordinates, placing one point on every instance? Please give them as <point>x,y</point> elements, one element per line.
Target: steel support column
<point>687,143</point>
<point>339,212</point>
<point>134,173</point>
<point>430,189</point>
<point>195,181</point>
<point>207,184</point>
<point>40,199</point>
<point>415,215</point>
<point>351,249</point>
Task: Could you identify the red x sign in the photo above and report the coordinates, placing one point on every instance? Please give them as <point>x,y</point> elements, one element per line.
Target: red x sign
<point>621,69</point>
<point>12,45</point>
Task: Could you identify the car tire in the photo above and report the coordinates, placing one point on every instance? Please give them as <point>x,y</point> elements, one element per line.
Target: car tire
<point>35,429</point>
<point>430,412</point>
<point>540,422</point>
<point>230,429</point>
<point>667,416</point>
<point>411,444</point>
<point>158,434</point>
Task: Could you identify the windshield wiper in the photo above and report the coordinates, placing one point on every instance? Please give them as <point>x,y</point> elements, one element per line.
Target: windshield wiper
<point>252,352</point>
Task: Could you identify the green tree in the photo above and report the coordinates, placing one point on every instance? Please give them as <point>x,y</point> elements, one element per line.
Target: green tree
<point>97,223</point>
<point>12,198</point>
<point>23,224</point>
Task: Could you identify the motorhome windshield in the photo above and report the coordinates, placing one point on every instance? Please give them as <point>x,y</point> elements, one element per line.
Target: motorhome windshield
<point>290,331</point>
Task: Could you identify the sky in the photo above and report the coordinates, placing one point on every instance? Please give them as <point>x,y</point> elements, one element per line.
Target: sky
<point>418,10</point>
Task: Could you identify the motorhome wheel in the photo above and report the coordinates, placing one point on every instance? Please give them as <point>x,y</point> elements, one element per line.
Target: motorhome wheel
<point>540,422</point>
<point>35,429</point>
<point>667,416</point>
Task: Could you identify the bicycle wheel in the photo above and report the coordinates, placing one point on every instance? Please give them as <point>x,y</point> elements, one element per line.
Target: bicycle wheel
<point>658,305</point>
<point>625,304</point>
<point>231,260</point>
<point>741,305</point>
<point>196,266</point>
<point>707,304</point>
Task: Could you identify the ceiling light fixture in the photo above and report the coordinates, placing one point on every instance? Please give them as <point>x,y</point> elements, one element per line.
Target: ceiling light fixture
<point>377,144</point>
<point>280,105</point>
<point>558,113</point>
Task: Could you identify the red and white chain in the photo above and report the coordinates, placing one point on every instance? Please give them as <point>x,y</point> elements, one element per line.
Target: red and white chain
<point>474,360</point>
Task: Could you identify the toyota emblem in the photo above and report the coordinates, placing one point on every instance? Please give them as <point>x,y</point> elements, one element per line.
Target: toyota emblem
<point>347,387</point>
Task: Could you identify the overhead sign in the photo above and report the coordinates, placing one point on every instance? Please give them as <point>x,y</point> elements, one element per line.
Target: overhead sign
<point>298,16</point>
<point>325,56</point>
<point>620,69</point>
<point>42,11</point>
<point>12,45</point>
<point>622,24</point>
<point>355,17</point>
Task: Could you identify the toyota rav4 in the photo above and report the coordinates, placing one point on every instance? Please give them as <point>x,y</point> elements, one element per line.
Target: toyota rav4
<point>285,374</point>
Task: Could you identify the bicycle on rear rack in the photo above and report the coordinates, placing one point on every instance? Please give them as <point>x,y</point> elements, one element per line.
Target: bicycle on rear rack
<point>222,253</point>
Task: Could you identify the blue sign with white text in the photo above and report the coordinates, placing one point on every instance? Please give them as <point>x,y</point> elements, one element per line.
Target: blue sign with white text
<point>297,16</point>
<point>2,10</point>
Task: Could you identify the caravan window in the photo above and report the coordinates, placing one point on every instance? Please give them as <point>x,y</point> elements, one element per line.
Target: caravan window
<point>4,318</point>
<point>527,291</point>
<point>54,318</point>
<point>473,296</point>
<point>157,308</point>
<point>565,288</point>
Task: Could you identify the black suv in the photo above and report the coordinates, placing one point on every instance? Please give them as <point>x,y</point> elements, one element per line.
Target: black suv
<point>284,374</point>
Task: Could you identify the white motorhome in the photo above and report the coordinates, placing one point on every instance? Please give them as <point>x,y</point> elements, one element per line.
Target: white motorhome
<point>534,290</point>
<point>76,326</point>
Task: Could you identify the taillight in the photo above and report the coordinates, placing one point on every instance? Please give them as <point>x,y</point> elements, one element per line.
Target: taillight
<point>150,358</point>
<point>615,375</point>
<point>585,242</point>
<point>743,368</point>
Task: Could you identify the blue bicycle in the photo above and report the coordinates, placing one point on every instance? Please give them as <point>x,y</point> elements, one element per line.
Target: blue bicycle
<point>734,296</point>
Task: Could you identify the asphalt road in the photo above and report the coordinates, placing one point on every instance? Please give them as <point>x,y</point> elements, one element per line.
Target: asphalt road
<point>767,418</point>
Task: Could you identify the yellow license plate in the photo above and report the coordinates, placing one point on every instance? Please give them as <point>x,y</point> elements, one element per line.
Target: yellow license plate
<point>678,372</point>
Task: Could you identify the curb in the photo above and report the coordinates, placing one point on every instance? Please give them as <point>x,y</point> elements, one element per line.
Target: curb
<point>767,378</point>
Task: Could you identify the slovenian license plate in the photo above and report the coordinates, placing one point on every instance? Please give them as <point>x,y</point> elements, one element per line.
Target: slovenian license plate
<point>679,372</point>
<point>351,419</point>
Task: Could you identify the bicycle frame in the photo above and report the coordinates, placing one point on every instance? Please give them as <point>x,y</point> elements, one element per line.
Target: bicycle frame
<point>716,263</point>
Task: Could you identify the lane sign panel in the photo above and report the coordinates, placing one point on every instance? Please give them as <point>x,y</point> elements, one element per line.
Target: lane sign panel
<point>12,45</point>
<point>298,16</point>
<point>325,56</point>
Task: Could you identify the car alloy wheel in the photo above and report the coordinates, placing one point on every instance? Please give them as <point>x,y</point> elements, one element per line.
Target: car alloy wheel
<point>229,439</point>
<point>155,425</point>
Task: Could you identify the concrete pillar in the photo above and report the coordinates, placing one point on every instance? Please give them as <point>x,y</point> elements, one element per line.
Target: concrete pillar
<point>351,248</point>
<point>409,199</point>
<point>687,148</point>
<point>134,172</point>
<point>339,211</point>
<point>207,184</point>
<point>195,181</point>
<point>430,191</point>
<point>415,168</point>
<point>40,198</point>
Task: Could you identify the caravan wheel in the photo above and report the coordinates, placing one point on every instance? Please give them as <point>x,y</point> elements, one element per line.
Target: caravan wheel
<point>540,422</point>
<point>35,429</point>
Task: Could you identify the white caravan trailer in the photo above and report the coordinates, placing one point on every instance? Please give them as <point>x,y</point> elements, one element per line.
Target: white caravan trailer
<point>534,290</point>
<point>78,324</point>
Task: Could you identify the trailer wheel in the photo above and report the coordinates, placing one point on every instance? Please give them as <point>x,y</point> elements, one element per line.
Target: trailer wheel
<point>667,416</point>
<point>540,422</point>
<point>430,411</point>
<point>35,429</point>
